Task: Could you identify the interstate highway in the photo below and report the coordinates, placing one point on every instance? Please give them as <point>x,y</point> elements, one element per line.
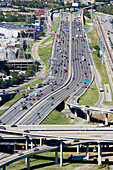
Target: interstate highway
<point>81,70</point>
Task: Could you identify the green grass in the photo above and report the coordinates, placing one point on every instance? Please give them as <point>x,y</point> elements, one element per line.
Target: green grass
<point>92,35</point>
<point>19,23</point>
<point>11,102</point>
<point>47,40</point>
<point>55,26</point>
<point>2,111</point>
<point>88,21</point>
<point>45,54</point>
<point>44,50</point>
<point>56,117</point>
<point>29,85</point>
<point>44,161</point>
<point>90,97</point>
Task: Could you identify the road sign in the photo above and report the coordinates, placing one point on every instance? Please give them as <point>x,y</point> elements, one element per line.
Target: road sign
<point>85,46</point>
<point>84,28</point>
<point>51,77</point>
<point>53,59</point>
<point>85,80</point>
<point>51,34</point>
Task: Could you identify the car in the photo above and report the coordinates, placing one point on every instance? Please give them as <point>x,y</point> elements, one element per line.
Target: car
<point>26,131</point>
<point>13,125</point>
<point>2,127</point>
<point>23,107</point>
<point>20,153</point>
<point>100,125</point>
<point>111,109</point>
<point>35,149</point>
<point>87,106</point>
<point>33,98</point>
<point>0,121</point>
<point>73,78</point>
<point>101,89</point>
<point>95,149</point>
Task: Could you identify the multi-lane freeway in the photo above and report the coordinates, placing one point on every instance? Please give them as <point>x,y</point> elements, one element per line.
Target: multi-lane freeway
<point>69,71</point>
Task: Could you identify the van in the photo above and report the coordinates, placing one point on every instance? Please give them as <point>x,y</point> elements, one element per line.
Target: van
<point>39,85</point>
<point>101,89</point>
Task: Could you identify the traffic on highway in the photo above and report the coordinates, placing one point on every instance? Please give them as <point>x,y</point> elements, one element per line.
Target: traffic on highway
<point>70,72</point>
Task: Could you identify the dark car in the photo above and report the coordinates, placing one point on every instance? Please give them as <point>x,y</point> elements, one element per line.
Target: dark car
<point>35,149</point>
<point>2,127</point>
<point>26,131</point>
<point>13,125</point>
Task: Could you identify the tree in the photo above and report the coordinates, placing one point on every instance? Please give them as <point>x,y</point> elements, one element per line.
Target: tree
<point>2,84</point>
<point>97,47</point>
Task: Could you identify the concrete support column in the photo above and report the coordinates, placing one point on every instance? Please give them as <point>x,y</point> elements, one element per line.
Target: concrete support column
<point>41,141</point>
<point>61,155</point>
<point>4,168</point>
<point>87,152</point>
<point>56,157</point>
<point>26,146</point>
<point>31,143</point>
<point>99,154</point>
<point>28,163</point>
<point>88,116</point>
<point>106,119</point>
<point>78,146</point>
<point>75,112</point>
<point>26,143</point>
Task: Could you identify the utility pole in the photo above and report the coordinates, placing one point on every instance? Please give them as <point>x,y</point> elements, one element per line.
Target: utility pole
<point>91,13</point>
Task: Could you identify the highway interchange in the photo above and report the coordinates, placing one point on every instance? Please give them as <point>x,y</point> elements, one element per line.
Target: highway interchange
<point>73,65</point>
<point>65,81</point>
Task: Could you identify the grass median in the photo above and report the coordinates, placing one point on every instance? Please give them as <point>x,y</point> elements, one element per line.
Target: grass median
<point>55,26</point>
<point>59,118</point>
<point>90,97</point>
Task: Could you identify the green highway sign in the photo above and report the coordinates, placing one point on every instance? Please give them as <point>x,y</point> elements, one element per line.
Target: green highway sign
<point>84,28</point>
<point>85,80</point>
<point>85,46</point>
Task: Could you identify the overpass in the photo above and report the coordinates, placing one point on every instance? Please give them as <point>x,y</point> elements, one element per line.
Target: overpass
<point>64,135</point>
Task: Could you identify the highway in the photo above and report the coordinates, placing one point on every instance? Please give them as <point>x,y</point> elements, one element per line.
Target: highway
<point>72,55</point>
<point>64,132</point>
<point>28,153</point>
